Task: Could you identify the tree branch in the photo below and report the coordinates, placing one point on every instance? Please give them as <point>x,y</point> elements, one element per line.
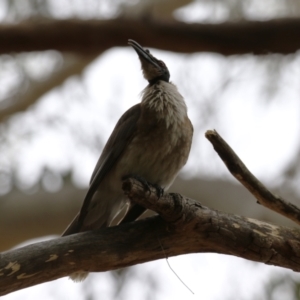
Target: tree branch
<point>94,36</point>
<point>18,208</point>
<point>190,228</point>
<point>249,181</point>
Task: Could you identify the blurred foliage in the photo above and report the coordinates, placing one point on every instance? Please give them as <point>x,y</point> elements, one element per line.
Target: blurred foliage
<point>282,287</point>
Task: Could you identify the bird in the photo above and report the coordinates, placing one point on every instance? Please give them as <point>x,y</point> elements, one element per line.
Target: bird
<point>151,140</point>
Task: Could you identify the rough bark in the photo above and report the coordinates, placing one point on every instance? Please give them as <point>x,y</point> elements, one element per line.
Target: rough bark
<point>40,214</point>
<point>95,36</point>
<point>190,228</point>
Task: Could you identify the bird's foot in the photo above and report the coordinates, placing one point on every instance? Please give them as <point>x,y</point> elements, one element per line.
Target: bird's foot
<point>141,179</point>
<point>146,184</point>
<point>159,190</point>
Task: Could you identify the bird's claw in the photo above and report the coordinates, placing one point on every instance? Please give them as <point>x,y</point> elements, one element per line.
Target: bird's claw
<point>146,184</point>
<point>142,180</point>
<point>159,190</point>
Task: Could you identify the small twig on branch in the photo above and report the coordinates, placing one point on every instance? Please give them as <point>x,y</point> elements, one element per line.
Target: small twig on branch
<point>238,169</point>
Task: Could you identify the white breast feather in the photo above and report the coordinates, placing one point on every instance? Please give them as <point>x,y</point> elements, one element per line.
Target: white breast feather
<point>167,101</point>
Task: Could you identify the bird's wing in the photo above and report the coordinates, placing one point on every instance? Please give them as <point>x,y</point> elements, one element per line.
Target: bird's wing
<point>117,142</point>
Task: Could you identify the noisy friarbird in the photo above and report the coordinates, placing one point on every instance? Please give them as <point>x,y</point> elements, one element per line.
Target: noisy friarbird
<point>151,140</point>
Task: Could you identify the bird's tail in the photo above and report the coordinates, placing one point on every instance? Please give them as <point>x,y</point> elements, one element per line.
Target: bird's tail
<point>79,276</point>
<point>103,220</point>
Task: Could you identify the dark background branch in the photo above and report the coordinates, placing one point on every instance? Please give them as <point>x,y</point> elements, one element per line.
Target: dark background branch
<point>96,36</point>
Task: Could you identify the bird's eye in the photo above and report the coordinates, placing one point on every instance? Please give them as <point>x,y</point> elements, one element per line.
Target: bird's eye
<point>162,64</point>
<point>147,50</point>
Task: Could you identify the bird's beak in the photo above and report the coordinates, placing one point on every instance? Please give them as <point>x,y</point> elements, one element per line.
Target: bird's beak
<point>143,54</point>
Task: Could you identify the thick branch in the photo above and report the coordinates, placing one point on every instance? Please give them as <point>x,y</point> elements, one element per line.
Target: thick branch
<point>192,228</point>
<point>18,208</point>
<point>246,178</point>
<point>94,36</point>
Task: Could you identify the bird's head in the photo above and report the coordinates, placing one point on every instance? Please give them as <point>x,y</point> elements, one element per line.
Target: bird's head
<point>153,69</point>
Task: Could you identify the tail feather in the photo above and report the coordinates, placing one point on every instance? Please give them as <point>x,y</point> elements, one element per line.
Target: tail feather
<point>99,221</point>
<point>79,276</point>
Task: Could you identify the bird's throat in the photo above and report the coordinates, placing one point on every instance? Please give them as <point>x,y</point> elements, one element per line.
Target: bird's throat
<point>163,99</point>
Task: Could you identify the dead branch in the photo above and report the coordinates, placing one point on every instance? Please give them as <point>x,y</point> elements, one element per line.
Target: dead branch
<point>238,169</point>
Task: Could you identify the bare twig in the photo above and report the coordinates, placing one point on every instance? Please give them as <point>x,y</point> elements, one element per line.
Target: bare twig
<point>246,178</point>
